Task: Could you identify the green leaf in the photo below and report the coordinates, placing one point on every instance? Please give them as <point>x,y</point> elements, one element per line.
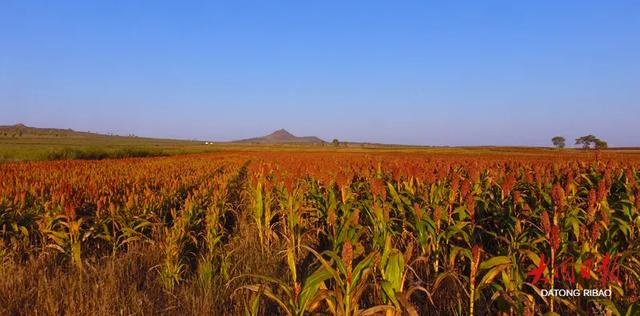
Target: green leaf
<point>387,287</point>
<point>491,274</point>
<point>292,264</point>
<point>499,260</point>
<point>311,285</point>
<point>394,270</point>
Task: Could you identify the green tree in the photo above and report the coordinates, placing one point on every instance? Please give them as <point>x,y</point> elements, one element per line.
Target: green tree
<point>601,144</point>
<point>335,142</point>
<point>558,141</point>
<point>586,141</point>
<point>589,140</point>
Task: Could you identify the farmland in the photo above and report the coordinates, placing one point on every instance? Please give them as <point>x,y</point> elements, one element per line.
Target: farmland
<point>19,142</point>
<point>296,231</point>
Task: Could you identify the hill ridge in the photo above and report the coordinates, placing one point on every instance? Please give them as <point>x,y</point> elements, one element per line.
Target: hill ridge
<point>20,128</point>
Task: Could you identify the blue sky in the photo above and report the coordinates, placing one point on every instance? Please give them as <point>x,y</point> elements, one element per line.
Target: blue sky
<point>414,72</point>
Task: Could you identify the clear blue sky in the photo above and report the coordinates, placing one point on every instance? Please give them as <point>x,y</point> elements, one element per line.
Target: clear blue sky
<point>415,72</point>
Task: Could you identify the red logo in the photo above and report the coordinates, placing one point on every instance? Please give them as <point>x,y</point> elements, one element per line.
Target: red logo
<point>605,270</point>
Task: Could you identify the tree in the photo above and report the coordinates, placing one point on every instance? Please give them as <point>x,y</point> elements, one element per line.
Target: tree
<point>558,141</point>
<point>588,140</point>
<point>335,142</point>
<point>601,144</point>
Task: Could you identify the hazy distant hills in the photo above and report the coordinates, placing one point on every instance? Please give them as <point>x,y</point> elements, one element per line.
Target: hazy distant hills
<point>281,136</point>
<point>20,131</point>
<point>23,130</point>
<point>52,135</point>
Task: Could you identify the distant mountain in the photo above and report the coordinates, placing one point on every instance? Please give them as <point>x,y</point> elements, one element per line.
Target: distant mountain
<point>281,136</point>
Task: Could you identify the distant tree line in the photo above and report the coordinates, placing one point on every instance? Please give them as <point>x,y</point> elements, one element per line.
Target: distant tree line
<point>588,141</point>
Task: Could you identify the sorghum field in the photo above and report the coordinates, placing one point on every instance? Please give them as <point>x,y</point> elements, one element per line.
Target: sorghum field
<point>327,233</point>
